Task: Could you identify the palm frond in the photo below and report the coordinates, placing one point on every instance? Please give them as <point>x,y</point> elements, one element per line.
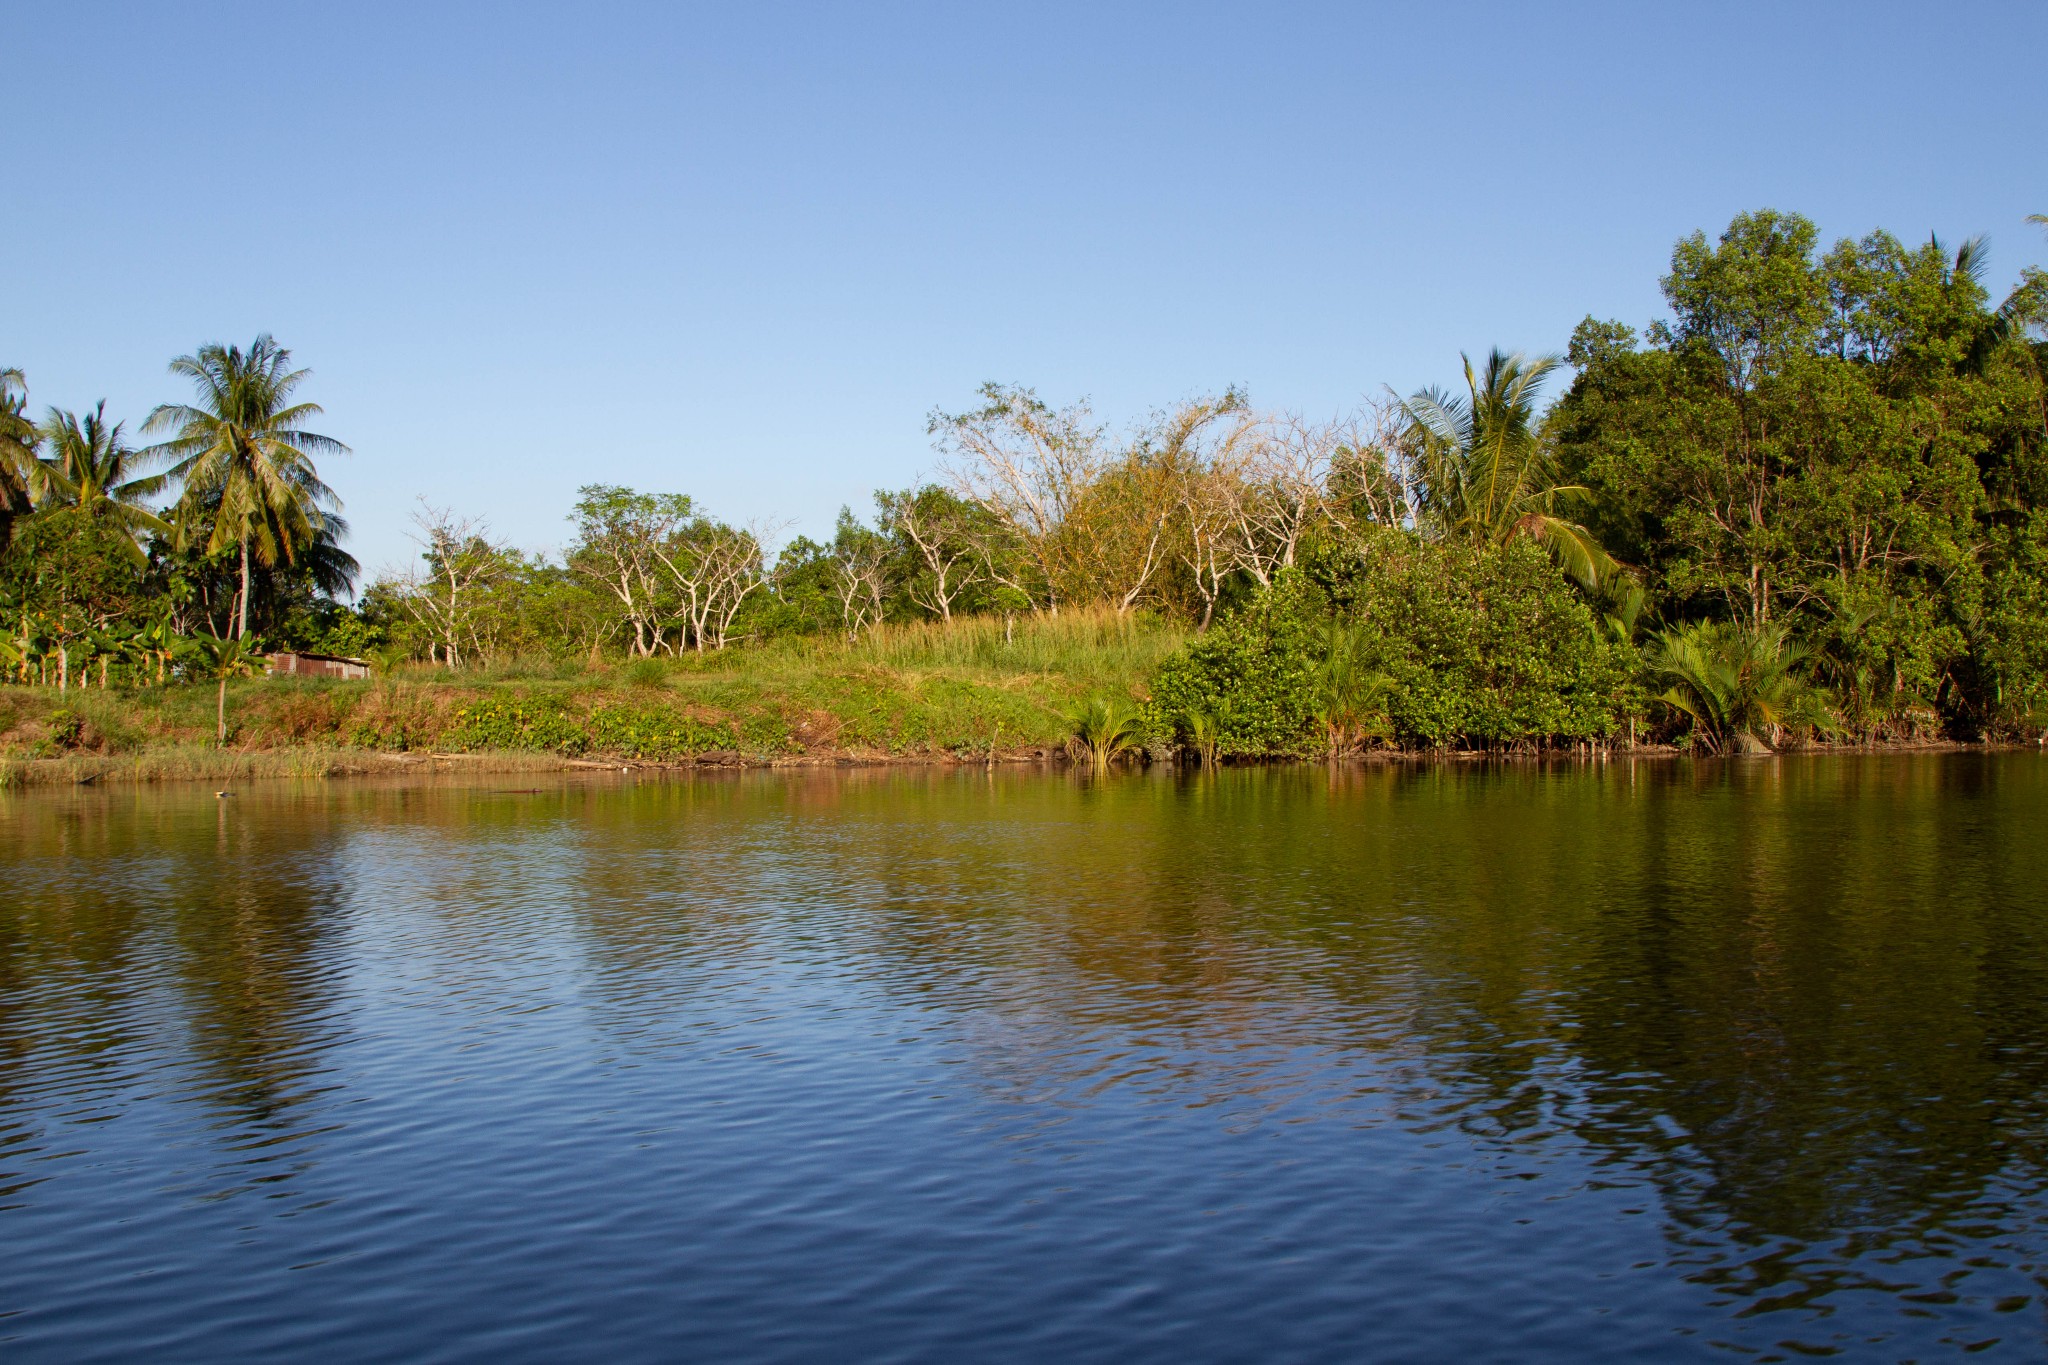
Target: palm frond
<point>1971,258</point>
<point>1484,468</point>
<point>1577,551</point>
<point>1740,686</point>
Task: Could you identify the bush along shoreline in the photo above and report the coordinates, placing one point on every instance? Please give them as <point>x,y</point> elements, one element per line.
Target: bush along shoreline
<point>1401,644</point>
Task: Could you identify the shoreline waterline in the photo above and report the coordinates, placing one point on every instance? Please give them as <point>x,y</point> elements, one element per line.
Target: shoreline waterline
<point>331,764</point>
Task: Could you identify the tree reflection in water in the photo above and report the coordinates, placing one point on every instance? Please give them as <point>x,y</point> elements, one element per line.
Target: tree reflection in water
<point>1800,1004</point>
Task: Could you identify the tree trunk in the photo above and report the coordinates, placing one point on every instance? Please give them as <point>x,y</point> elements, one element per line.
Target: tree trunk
<point>63,668</point>
<point>220,714</point>
<point>242,610</point>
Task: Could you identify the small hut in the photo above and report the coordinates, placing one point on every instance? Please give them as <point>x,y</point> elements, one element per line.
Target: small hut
<point>317,665</point>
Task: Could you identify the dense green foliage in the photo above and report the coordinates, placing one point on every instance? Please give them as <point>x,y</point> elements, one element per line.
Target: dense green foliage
<point>1431,643</point>
<point>1822,484</point>
<point>1852,444</point>
<point>1247,685</point>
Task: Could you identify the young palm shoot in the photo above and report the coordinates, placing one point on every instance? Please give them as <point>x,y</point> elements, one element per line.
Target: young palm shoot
<point>1352,698</point>
<point>1205,737</point>
<point>1740,687</point>
<point>1105,730</point>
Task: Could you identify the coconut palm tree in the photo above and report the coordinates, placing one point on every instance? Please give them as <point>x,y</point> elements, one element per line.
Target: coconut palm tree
<point>189,527</point>
<point>245,444</point>
<point>89,463</point>
<point>1484,472</point>
<point>21,472</point>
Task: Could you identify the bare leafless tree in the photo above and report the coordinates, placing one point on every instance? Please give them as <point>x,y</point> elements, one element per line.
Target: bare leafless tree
<point>941,530</point>
<point>714,569</point>
<point>860,574</point>
<point>619,538</point>
<point>1204,447</point>
<point>1371,478</point>
<point>460,563</point>
<point>1029,467</point>
<point>1282,492</point>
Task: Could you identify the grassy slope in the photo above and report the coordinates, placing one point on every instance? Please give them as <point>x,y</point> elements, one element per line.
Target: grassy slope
<point>902,691</point>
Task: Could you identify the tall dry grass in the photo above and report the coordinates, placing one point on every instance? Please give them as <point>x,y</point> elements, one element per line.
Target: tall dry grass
<point>1089,645</point>
<point>1086,642</point>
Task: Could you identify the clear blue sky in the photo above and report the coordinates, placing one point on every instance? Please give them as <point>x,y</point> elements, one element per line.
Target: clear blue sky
<point>741,251</point>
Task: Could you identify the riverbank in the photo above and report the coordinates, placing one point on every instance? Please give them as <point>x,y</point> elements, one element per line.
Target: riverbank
<point>320,761</point>
<point>977,690</point>
<point>974,691</point>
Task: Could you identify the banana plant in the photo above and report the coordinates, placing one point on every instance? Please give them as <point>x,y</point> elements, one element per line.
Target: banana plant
<point>162,646</point>
<point>37,642</point>
<point>105,647</point>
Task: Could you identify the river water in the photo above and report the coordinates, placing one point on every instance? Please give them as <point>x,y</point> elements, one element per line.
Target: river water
<point>1671,1060</point>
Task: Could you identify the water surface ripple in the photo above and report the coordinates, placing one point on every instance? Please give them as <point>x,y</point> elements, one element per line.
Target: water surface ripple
<point>1662,1060</point>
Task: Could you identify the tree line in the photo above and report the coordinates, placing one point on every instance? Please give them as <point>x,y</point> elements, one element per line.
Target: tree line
<point>1036,509</point>
<point>1809,500</point>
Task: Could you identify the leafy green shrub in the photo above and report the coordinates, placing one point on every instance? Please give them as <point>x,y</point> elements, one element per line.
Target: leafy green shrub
<point>550,725</point>
<point>764,733</point>
<point>651,732</point>
<point>64,728</point>
<point>1251,679</point>
<point>1483,646</point>
<point>541,724</point>
<point>1434,643</point>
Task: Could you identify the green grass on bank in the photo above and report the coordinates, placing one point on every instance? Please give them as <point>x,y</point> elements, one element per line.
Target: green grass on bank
<point>973,686</point>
